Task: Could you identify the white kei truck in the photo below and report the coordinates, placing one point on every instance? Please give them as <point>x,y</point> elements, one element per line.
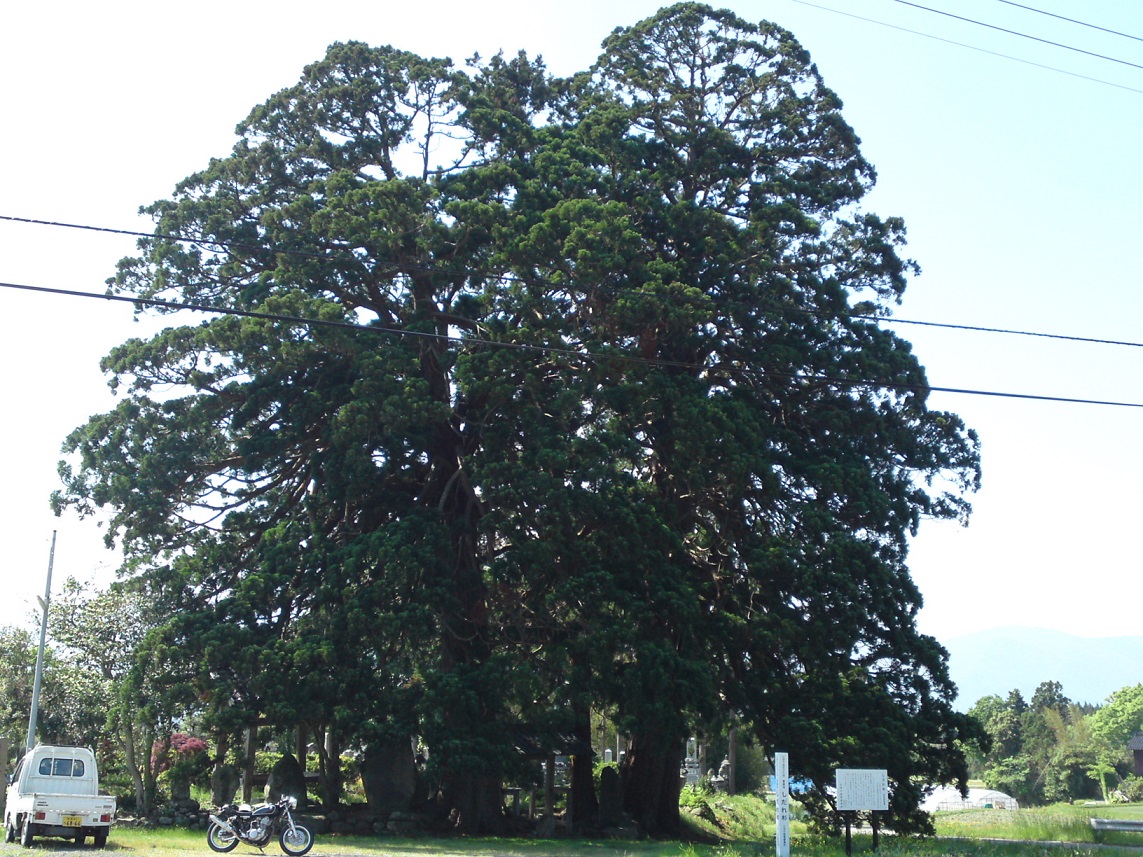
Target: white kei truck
<point>55,792</point>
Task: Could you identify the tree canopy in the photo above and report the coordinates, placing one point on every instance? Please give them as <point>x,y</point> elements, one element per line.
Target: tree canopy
<point>525,396</point>
<point>1051,749</point>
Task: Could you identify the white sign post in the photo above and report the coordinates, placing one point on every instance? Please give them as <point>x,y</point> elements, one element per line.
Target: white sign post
<point>782,804</point>
<point>861,789</point>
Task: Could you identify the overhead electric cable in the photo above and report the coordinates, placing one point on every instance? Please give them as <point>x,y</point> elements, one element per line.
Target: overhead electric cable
<point>1018,33</point>
<point>969,47</point>
<point>1070,20</point>
<point>131,233</point>
<point>625,292</point>
<point>348,325</point>
<point>563,352</point>
<point>1007,331</point>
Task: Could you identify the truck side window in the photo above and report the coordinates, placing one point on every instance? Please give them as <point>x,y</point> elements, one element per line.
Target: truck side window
<point>77,767</point>
<point>45,767</point>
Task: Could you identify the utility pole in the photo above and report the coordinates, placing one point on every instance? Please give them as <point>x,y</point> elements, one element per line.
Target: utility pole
<point>45,602</point>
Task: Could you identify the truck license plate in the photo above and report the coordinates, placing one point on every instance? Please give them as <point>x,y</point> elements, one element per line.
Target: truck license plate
<point>73,821</point>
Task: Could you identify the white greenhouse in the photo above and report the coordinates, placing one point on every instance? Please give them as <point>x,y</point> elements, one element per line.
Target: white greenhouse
<point>948,798</point>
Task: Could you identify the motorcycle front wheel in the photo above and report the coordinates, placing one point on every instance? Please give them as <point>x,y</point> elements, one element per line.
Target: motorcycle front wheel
<point>296,842</point>
<point>220,839</point>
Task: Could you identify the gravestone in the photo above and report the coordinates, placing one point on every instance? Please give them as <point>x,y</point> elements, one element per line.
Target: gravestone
<point>224,783</point>
<point>610,798</point>
<point>389,777</point>
<point>180,786</point>
<point>286,778</point>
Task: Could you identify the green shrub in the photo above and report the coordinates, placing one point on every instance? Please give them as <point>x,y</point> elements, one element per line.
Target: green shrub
<point>1132,788</point>
<point>751,769</point>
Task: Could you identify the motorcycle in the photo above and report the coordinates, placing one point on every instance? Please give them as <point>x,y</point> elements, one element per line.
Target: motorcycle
<point>256,826</point>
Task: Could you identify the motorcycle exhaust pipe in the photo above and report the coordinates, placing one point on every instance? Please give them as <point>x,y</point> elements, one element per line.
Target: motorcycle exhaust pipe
<point>225,825</point>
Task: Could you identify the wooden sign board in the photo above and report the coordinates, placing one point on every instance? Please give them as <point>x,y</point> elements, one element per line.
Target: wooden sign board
<point>862,789</point>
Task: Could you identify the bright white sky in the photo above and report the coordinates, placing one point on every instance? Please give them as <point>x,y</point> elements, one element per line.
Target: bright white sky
<point>1020,187</point>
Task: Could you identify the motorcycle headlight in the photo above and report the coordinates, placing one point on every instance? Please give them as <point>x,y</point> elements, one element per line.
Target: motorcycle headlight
<point>292,802</point>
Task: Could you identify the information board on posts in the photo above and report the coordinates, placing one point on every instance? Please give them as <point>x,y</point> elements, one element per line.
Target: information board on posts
<point>862,789</point>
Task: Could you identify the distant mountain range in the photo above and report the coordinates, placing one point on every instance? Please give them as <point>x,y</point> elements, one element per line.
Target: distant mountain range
<point>1004,659</point>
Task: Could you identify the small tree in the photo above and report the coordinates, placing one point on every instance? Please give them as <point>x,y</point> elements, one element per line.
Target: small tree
<point>1119,718</point>
<point>17,673</point>
<point>105,631</point>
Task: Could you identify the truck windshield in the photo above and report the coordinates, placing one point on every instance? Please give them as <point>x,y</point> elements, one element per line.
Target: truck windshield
<point>61,767</point>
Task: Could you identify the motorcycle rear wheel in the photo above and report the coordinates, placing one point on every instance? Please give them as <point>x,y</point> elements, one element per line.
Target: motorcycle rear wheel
<point>220,839</point>
<point>296,842</point>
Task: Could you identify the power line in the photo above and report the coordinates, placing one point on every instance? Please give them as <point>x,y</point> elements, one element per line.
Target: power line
<point>1018,33</point>
<point>562,352</point>
<point>36,222</point>
<point>626,292</point>
<point>1007,331</point>
<point>970,47</point>
<point>1070,20</point>
<point>345,325</point>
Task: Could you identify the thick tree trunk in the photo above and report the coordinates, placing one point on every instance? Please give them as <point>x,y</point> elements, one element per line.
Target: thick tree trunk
<point>333,760</point>
<point>472,800</point>
<point>474,805</point>
<point>249,746</point>
<point>388,776</point>
<point>329,767</point>
<point>221,748</point>
<point>585,803</point>
<point>651,784</point>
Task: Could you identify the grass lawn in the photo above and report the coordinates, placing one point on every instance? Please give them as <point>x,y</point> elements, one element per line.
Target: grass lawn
<point>746,823</point>
<point>1057,823</point>
<point>169,843</point>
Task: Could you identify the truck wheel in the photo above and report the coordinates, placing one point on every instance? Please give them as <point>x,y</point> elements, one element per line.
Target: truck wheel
<point>9,831</point>
<point>26,832</point>
<point>100,839</point>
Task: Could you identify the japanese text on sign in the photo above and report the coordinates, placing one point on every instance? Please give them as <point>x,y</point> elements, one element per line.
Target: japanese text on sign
<point>862,789</point>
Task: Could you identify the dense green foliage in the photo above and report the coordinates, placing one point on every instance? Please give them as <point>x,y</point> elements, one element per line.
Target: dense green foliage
<point>1049,750</point>
<point>74,697</point>
<point>1117,721</point>
<point>17,673</point>
<point>527,397</point>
